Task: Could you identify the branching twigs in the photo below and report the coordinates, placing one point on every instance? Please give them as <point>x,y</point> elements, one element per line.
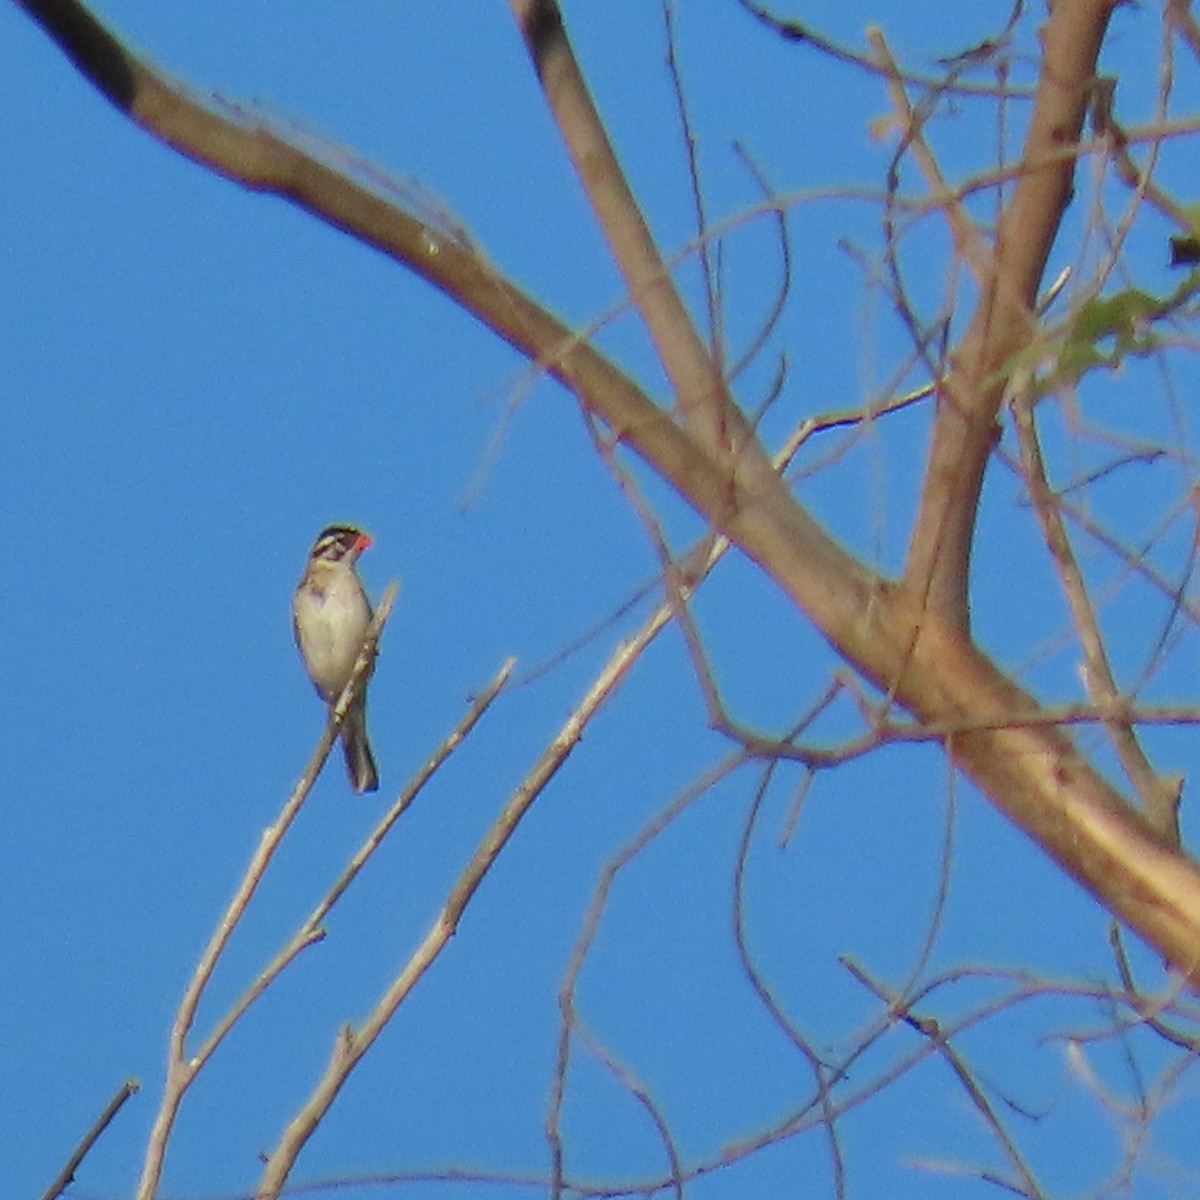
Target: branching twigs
<point>968,241</point>
<point>310,929</point>
<point>568,988</point>
<point>479,705</point>
<point>67,1175</point>
<point>182,1068</point>
<point>352,1043</point>
<point>1021,988</point>
<point>931,1029</point>
<point>856,1087</point>
<point>827,1076</point>
<point>695,563</point>
<point>1132,1114</point>
<point>939,554</point>
<point>1134,558</point>
<point>182,1072</point>
<point>1151,1008</point>
<point>1131,173</point>
<point>775,314</point>
<point>679,577</point>
<point>1160,797</point>
<point>795,31</point>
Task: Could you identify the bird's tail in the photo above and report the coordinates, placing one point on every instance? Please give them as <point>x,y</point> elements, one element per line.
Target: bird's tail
<point>360,762</point>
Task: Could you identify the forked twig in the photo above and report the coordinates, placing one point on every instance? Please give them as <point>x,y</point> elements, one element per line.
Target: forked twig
<point>310,930</point>
<point>940,1039</point>
<point>968,241</point>
<point>1004,320</point>
<point>182,1069</point>
<point>351,1044</point>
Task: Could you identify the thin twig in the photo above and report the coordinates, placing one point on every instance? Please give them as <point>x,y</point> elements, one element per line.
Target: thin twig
<point>641,1094</point>
<point>967,238</point>
<point>1160,797</point>
<point>67,1175</point>
<point>687,130</point>
<point>775,313</point>
<point>822,1076</point>
<point>801,34</point>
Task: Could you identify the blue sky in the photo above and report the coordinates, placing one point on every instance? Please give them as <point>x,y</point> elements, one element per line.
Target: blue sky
<point>196,379</point>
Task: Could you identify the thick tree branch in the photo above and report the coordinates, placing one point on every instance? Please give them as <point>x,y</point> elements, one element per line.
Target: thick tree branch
<point>965,430</point>
<point>699,388</point>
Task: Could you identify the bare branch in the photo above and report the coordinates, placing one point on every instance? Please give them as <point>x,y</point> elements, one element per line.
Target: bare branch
<point>310,931</point>
<point>67,1175</point>
<point>801,34</point>
<point>968,241</point>
<point>568,988</point>
<point>931,1029</point>
<point>641,1093</point>
<point>965,430</point>
<point>182,1068</point>
<point>699,387</point>
<point>1160,797</point>
<point>351,1044</point>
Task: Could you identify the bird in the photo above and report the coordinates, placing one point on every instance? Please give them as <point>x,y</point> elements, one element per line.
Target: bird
<point>330,615</point>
